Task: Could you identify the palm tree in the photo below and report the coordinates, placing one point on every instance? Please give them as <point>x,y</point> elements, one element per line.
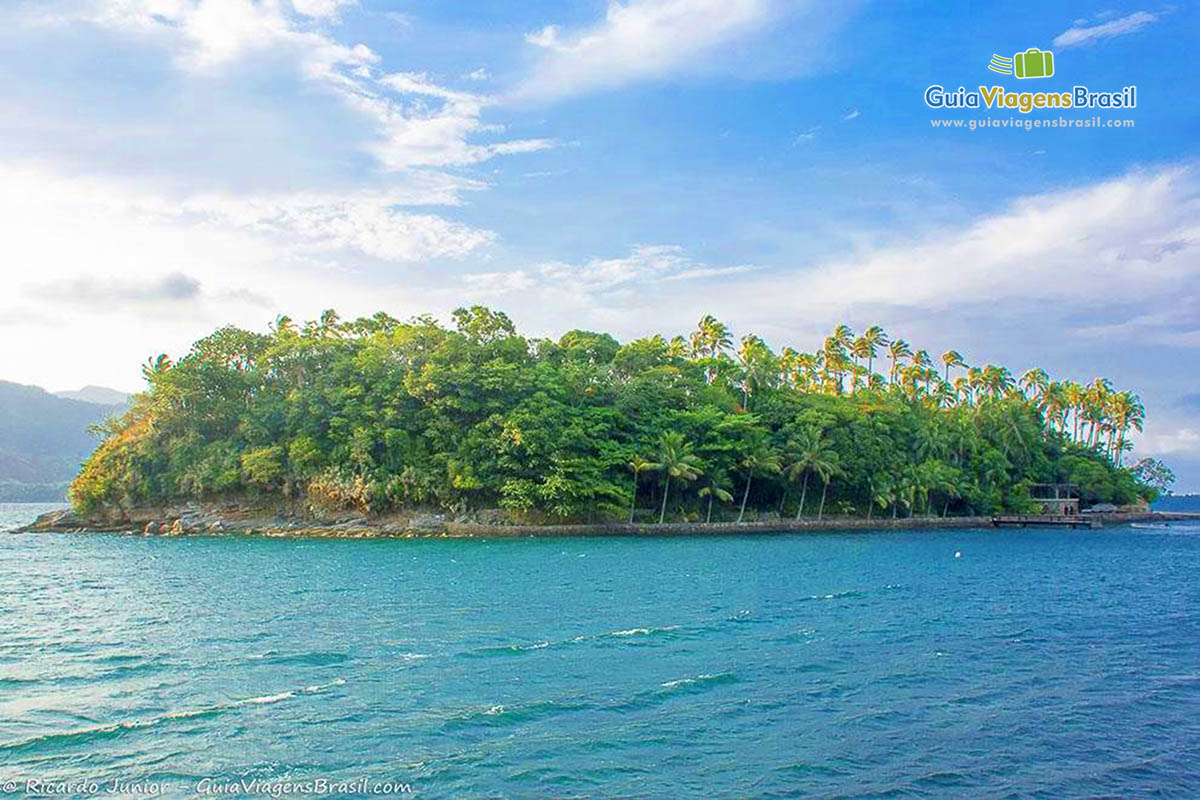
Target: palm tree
<point>860,349</point>
<point>812,455</point>
<point>898,349</point>
<point>952,358</point>
<point>1125,411</point>
<point>1034,382</point>
<point>637,466</point>
<point>678,462</point>
<point>1074,394</point>
<point>329,322</point>
<point>826,471</point>
<point>874,337</point>
<point>758,364</point>
<point>883,495</point>
<point>715,490</point>
<point>710,340</point>
<point>760,460</point>
<point>923,362</point>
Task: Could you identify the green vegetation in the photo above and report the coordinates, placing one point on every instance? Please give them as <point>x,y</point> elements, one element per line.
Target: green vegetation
<point>377,414</point>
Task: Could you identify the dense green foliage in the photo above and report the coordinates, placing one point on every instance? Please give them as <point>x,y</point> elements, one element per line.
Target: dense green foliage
<point>377,414</point>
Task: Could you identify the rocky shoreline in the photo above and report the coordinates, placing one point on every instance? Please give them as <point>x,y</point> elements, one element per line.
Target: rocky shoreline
<point>195,519</point>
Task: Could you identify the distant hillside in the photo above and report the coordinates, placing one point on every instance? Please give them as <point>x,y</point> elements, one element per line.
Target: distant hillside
<point>1178,502</point>
<point>100,395</point>
<point>43,439</point>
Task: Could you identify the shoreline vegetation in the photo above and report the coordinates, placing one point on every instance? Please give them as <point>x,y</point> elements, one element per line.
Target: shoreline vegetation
<point>476,425</point>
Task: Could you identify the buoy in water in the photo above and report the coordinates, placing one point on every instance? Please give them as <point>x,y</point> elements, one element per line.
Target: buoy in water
<point>958,553</point>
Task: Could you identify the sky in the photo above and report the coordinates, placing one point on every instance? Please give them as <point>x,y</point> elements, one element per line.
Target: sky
<point>170,166</point>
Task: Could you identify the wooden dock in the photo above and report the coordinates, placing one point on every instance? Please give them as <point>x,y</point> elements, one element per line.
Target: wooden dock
<point>1043,521</point>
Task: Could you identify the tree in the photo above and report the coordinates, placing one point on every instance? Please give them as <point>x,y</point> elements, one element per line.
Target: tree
<point>812,454</point>
<point>715,490</point>
<point>637,466</point>
<point>1154,474</point>
<point>760,460</point>
<point>951,359</point>
<point>376,414</point>
<point>898,349</point>
<point>678,462</point>
<point>826,471</point>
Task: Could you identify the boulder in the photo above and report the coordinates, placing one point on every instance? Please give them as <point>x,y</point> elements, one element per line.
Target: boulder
<point>52,520</point>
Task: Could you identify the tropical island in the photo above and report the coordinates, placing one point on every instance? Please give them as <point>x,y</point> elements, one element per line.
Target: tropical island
<point>373,417</point>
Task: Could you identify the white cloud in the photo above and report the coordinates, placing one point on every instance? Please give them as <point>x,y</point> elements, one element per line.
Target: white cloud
<point>808,135</point>
<point>1083,34</point>
<point>1181,440</point>
<point>418,123</point>
<point>321,9</point>
<point>1127,238</point>
<point>102,271</point>
<point>364,222</point>
<point>600,281</point>
<point>649,39</point>
<point>853,114</point>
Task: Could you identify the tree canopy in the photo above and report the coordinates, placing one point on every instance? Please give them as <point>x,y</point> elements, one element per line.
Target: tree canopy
<point>376,414</point>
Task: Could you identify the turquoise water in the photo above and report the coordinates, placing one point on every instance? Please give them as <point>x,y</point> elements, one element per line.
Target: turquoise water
<point>1038,664</point>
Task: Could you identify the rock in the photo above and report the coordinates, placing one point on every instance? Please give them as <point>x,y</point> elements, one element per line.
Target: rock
<point>57,519</point>
<point>427,522</point>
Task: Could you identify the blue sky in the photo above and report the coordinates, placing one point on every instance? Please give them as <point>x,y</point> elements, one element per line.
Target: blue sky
<point>172,165</point>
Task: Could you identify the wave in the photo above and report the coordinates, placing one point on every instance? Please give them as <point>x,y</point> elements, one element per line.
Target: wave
<point>836,595</point>
<point>313,659</point>
<point>504,715</point>
<point>114,729</point>
<point>700,681</point>
<point>644,631</point>
<point>504,650</point>
<point>516,649</point>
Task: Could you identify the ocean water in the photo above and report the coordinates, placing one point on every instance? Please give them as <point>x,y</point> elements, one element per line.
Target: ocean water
<point>1037,664</point>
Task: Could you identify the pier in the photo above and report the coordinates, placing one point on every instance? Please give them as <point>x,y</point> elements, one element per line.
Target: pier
<point>1043,521</point>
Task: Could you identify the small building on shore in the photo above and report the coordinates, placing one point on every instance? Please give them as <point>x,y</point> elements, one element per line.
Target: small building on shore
<point>1055,499</point>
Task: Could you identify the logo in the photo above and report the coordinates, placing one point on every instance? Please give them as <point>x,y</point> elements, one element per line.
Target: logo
<point>1033,63</point>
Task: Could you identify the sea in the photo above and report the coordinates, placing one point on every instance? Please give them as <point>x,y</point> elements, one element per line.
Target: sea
<point>949,663</point>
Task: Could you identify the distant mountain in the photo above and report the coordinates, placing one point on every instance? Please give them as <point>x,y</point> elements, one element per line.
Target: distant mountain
<point>1178,502</point>
<point>43,439</point>
<point>100,395</point>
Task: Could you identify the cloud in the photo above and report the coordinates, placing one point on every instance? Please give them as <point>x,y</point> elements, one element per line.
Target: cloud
<point>642,40</point>
<point>1169,442</point>
<point>416,122</point>
<point>1083,34</point>
<point>853,114</point>
<point>321,9</point>
<point>113,293</point>
<point>1130,239</point>
<point>808,135</point>
<point>600,280</point>
<point>368,223</point>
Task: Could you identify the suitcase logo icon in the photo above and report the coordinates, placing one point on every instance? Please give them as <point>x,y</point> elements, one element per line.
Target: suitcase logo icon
<point>1033,63</point>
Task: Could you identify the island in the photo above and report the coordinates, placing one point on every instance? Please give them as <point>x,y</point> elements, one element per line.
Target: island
<point>376,426</point>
